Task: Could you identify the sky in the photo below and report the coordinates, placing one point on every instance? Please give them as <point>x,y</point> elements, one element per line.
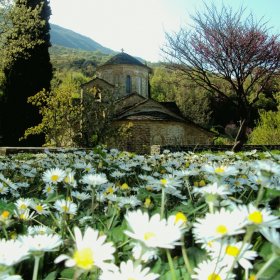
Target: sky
<point>139,26</point>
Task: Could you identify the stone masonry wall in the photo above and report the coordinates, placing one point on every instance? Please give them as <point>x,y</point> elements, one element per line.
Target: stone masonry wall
<point>143,134</point>
<point>116,75</point>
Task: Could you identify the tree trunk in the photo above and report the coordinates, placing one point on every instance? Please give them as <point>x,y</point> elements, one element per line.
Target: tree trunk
<point>241,137</point>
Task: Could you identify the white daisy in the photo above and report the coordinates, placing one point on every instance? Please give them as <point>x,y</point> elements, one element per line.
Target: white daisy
<point>24,216</point>
<point>54,175</point>
<point>49,189</point>
<point>129,271</point>
<point>217,225</point>
<point>91,251</point>
<point>143,253</point>
<point>7,276</point>
<point>12,252</point>
<point>4,189</point>
<point>220,170</point>
<point>228,251</point>
<point>32,230</point>
<point>81,195</point>
<point>214,190</point>
<point>65,207</point>
<point>40,208</point>
<point>260,218</point>
<point>70,179</point>
<point>210,270</point>
<point>41,242</point>
<point>153,232</point>
<point>22,204</point>
<point>131,201</point>
<point>272,235</point>
<point>94,180</point>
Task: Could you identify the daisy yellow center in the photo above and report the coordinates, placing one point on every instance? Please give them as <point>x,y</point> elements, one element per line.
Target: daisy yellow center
<point>67,179</point>
<point>23,206</point>
<point>221,229</point>
<point>163,182</point>
<point>65,208</point>
<point>49,189</point>
<point>84,258</point>
<point>232,251</point>
<point>23,216</point>
<point>148,188</point>
<point>256,217</point>
<point>252,277</point>
<point>149,235</point>
<point>201,183</point>
<point>54,178</point>
<point>180,217</point>
<point>147,202</point>
<point>220,169</point>
<point>110,190</point>
<point>214,276</point>
<point>124,186</point>
<point>39,208</point>
<point>5,214</point>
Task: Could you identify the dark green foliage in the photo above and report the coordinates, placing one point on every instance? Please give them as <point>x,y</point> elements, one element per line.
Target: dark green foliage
<point>27,68</point>
<point>66,59</point>
<point>267,130</point>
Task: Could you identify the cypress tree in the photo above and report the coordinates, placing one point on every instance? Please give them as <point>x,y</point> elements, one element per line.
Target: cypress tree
<point>27,69</point>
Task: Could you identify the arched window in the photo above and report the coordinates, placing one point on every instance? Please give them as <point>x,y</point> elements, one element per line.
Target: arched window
<point>128,84</point>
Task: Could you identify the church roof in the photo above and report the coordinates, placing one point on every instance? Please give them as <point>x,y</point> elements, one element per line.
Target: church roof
<point>123,58</point>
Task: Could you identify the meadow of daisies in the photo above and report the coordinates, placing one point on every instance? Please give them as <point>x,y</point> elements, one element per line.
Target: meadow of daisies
<point>113,215</point>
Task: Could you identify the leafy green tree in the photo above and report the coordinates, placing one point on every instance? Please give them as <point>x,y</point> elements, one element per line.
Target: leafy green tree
<point>26,66</point>
<point>98,113</point>
<point>225,46</point>
<point>61,112</point>
<point>267,130</point>
<point>192,100</point>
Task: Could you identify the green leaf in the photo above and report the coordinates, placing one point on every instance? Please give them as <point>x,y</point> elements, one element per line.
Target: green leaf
<point>265,250</point>
<point>51,276</point>
<point>196,255</point>
<point>67,273</point>
<point>272,193</point>
<point>272,272</point>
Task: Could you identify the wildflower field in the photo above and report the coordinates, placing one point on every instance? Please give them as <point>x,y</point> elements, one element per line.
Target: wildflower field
<point>113,215</point>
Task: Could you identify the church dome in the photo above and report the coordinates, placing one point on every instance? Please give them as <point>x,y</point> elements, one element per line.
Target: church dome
<point>123,58</point>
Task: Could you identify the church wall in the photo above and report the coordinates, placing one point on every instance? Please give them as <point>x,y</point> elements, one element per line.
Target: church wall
<point>143,134</point>
<point>116,75</point>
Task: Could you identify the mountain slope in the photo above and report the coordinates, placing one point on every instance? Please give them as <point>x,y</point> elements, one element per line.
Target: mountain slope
<point>70,39</point>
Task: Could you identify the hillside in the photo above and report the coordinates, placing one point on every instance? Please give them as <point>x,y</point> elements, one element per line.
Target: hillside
<point>67,38</point>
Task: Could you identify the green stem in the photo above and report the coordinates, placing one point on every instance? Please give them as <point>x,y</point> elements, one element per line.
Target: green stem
<point>5,232</point>
<point>266,265</point>
<point>171,265</point>
<point>260,195</point>
<point>112,219</point>
<point>189,191</point>
<point>185,257</point>
<point>162,203</point>
<point>92,202</point>
<point>246,239</point>
<point>36,267</point>
<point>211,207</point>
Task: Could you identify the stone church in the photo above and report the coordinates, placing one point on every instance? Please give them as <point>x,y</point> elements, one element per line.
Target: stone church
<point>125,80</point>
